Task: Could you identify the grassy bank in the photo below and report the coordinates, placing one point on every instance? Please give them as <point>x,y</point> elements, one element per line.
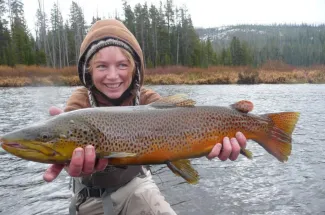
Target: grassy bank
<point>268,73</point>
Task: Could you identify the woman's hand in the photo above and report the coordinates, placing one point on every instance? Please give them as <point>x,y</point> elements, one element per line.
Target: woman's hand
<point>230,148</point>
<point>82,161</point>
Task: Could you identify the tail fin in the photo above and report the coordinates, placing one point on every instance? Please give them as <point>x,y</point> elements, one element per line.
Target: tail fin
<point>277,139</point>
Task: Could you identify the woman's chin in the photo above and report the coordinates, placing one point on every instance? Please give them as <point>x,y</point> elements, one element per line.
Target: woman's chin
<point>113,95</point>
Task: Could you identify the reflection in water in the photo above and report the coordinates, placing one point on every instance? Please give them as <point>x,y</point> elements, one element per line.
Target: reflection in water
<point>258,186</point>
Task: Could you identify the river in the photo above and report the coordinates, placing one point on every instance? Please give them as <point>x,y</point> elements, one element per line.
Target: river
<point>259,186</point>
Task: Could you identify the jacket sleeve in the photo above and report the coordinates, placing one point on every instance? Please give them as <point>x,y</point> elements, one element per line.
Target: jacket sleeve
<point>79,99</point>
<point>148,96</point>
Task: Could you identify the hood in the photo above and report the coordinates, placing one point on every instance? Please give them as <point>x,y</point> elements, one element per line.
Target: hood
<point>107,33</point>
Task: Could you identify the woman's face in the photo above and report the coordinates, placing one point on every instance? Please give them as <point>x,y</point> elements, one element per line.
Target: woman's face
<point>111,71</point>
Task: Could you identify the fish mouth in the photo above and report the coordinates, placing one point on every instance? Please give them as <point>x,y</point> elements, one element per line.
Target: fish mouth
<point>26,149</point>
<point>15,145</point>
<point>34,150</point>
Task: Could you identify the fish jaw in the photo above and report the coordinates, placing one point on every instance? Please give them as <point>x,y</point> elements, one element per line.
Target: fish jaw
<point>36,151</point>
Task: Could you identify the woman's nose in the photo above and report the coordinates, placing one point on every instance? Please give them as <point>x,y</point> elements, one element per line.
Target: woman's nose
<point>112,73</point>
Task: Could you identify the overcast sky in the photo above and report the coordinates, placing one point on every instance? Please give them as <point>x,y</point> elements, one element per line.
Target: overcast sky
<point>204,13</point>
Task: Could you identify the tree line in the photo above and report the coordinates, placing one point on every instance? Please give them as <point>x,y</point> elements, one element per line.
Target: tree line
<point>165,33</point>
<point>295,44</point>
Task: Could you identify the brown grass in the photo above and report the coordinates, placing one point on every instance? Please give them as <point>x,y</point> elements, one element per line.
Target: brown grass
<point>187,75</point>
<point>22,75</point>
<point>271,73</point>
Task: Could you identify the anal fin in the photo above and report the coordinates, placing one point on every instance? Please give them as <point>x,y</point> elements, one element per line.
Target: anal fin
<point>184,169</point>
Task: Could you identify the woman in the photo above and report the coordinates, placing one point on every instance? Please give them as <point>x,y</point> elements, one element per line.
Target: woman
<point>111,69</point>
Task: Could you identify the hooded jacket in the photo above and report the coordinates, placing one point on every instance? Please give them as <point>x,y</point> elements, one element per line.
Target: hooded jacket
<point>102,34</point>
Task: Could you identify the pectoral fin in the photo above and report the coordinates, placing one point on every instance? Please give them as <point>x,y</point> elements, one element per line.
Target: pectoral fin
<point>184,169</point>
<point>117,155</point>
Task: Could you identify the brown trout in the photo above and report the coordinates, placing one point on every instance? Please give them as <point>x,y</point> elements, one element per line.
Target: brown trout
<point>169,131</point>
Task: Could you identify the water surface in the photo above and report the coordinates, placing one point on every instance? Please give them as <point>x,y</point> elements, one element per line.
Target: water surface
<point>259,186</point>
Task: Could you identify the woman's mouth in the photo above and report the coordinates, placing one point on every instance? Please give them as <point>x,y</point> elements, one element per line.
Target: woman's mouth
<point>113,86</point>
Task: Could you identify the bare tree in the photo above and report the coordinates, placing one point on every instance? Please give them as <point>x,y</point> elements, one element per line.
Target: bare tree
<point>43,35</point>
<point>59,32</point>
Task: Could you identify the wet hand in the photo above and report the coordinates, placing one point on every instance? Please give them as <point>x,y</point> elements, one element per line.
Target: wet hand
<point>82,162</point>
<point>230,148</point>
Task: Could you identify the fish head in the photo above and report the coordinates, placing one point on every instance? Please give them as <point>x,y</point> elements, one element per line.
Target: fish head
<point>52,141</point>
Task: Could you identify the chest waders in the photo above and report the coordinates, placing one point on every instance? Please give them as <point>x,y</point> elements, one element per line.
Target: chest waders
<point>94,186</point>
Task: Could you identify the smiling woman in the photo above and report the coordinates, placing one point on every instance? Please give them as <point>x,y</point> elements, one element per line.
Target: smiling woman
<point>112,69</point>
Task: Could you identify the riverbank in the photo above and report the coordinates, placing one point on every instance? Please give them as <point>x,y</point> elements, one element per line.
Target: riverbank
<point>268,74</point>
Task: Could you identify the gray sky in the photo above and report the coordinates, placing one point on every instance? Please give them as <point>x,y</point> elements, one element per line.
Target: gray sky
<point>204,13</point>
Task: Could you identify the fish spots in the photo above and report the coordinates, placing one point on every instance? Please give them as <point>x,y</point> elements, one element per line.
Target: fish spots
<point>174,130</point>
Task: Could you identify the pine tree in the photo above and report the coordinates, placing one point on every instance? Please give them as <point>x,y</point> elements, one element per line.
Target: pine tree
<point>129,17</point>
<point>22,45</point>
<point>169,15</point>
<point>57,33</point>
<point>41,32</point>
<point>236,52</point>
<point>95,20</point>
<point>78,27</point>
<point>163,38</point>
<point>154,17</point>
<point>211,55</point>
<point>4,36</point>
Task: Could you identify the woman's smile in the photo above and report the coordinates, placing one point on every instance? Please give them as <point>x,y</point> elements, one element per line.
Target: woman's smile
<point>113,85</point>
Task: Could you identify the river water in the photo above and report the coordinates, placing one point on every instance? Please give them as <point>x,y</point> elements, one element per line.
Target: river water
<point>259,186</point>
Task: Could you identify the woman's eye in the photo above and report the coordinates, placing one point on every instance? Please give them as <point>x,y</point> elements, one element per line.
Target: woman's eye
<point>101,67</point>
<point>123,66</point>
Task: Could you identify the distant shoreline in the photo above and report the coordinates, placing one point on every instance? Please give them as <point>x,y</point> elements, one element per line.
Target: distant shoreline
<point>172,75</point>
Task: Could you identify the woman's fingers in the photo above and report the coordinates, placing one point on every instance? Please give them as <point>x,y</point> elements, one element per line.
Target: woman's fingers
<point>226,149</point>
<point>55,111</point>
<point>52,172</point>
<point>77,162</point>
<point>230,148</point>
<point>241,139</point>
<point>235,149</point>
<point>89,161</point>
<point>215,151</point>
<point>101,164</point>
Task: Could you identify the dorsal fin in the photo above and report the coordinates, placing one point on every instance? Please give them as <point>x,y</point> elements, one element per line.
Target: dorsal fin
<point>178,100</point>
<point>243,106</point>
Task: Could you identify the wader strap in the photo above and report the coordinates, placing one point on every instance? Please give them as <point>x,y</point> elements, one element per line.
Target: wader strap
<point>77,186</point>
<point>107,202</point>
<point>72,206</point>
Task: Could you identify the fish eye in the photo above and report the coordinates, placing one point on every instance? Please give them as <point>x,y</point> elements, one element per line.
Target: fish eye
<point>45,136</point>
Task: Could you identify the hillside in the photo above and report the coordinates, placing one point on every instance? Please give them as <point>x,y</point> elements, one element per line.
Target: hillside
<point>295,44</point>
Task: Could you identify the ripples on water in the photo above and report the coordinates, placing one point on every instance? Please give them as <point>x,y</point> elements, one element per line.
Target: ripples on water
<point>258,186</point>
